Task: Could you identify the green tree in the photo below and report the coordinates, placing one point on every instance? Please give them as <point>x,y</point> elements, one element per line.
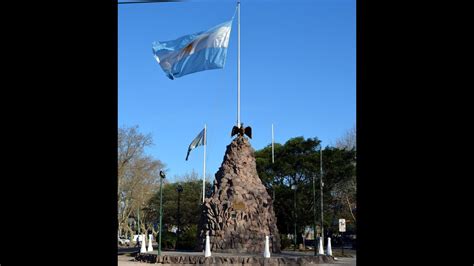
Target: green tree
<point>137,175</point>
<point>295,162</point>
<point>190,206</point>
<point>298,162</point>
<point>339,172</point>
<point>345,192</point>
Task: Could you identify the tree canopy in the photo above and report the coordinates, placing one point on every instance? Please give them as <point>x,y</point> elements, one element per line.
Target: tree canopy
<point>298,162</point>
<point>138,175</point>
<point>190,201</point>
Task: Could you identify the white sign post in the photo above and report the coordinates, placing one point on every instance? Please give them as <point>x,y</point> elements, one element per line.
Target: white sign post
<point>342,228</point>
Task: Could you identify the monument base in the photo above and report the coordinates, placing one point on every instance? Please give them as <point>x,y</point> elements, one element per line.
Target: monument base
<point>192,258</point>
<point>239,215</point>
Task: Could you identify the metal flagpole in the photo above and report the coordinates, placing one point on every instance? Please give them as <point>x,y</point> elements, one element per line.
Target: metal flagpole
<point>321,187</point>
<point>204,167</point>
<point>273,147</point>
<point>238,63</point>
<point>314,214</point>
<point>273,161</point>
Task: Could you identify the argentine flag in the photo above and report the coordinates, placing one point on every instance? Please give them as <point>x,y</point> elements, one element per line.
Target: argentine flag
<point>195,52</point>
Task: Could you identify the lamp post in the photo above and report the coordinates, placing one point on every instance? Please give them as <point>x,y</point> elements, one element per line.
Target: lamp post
<point>294,187</point>
<point>179,189</point>
<point>162,175</point>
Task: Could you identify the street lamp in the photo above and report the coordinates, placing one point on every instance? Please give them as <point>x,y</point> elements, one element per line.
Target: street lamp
<point>179,189</point>
<point>162,175</point>
<point>294,187</point>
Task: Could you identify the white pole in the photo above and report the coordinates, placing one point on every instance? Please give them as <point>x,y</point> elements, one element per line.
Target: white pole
<point>204,167</point>
<point>320,246</point>
<point>329,249</point>
<point>321,184</point>
<point>266,252</point>
<point>143,247</point>
<point>207,250</point>
<point>273,161</point>
<point>150,247</point>
<point>273,148</point>
<point>238,63</point>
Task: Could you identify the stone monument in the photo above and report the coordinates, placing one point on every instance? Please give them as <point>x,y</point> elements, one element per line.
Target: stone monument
<point>239,213</point>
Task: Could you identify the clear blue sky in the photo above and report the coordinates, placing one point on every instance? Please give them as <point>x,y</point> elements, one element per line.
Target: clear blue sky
<point>298,71</point>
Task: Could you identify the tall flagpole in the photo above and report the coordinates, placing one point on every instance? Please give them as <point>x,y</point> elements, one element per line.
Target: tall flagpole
<point>238,63</point>
<point>204,167</point>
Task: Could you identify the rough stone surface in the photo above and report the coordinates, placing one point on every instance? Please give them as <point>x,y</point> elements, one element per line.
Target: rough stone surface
<point>232,260</point>
<point>239,213</point>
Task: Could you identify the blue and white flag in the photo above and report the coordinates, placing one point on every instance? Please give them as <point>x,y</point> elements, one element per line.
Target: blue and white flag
<point>199,140</point>
<point>195,52</point>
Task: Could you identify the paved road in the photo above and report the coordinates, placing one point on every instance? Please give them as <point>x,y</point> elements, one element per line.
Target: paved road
<point>125,250</point>
<point>132,249</point>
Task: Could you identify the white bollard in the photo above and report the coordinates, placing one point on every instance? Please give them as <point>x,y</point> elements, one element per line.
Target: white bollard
<point>143,248</point>
<point>207,253</point>
<point>320,246</point>
<point>266,252</point>
<point>150,247</point>
<point>328,248</point>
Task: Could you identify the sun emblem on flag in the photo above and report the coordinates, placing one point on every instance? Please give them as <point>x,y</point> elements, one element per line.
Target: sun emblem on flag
<point>188,48</point>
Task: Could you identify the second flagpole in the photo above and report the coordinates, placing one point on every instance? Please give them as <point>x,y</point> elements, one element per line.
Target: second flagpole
<point>204,165</point>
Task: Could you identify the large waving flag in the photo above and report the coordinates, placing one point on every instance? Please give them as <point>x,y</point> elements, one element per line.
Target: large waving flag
<point>199,140</point>
<point>195,52</point>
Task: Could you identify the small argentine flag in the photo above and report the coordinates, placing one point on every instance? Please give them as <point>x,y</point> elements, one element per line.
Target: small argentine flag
<point>195,52</point>
<point>199,140</point>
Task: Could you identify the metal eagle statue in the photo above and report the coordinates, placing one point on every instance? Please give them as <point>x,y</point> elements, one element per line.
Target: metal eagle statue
<point>241,131</point>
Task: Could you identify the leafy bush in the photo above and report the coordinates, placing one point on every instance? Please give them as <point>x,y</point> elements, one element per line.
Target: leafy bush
<point>285,241</point>
<point>188,238</point>
<point>168,241</point>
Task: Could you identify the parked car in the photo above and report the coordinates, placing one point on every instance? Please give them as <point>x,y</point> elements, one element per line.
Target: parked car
<point>123,242</point>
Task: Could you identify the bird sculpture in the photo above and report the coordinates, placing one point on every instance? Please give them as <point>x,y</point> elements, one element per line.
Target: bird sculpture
<point>241,131</point>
